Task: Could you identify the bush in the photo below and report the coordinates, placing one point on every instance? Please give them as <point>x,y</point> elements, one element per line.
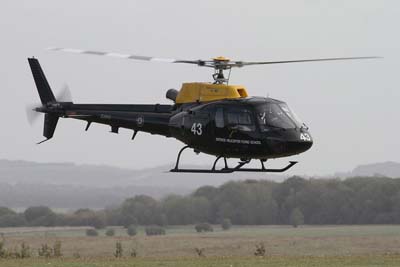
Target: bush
<point>296,217</point>
<point>92,232</point>
<point>57,249</point>
<point>200,252</point>
<point>25,251</point>
<point>260,250</point>
<point>3,251</point>
<point>131,230</point>
<point>45,251</point>
<point>155,230</point>
<point>110,232</point>
<point>203,227</point>
<point>17,253</point>
<point>133,253</point>
<point>226,224</point>
<point>48,252</point>
<point>118,250</point>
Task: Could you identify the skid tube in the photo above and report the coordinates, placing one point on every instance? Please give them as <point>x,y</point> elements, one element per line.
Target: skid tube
<point>227,169</point>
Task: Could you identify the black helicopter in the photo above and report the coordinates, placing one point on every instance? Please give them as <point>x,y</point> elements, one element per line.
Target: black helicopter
<point>214,118</point>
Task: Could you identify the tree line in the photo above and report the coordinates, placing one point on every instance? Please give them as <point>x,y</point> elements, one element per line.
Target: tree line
<point>359,200</point>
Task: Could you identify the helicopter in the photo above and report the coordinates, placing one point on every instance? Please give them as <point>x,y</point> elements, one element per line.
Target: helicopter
<point>214,118</point>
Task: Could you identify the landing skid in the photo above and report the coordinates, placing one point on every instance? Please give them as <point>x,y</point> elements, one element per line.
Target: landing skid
<point>227,169</point>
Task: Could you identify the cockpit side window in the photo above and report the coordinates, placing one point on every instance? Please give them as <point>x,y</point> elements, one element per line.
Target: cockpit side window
<point>240,117</point>
<point>219,118</point>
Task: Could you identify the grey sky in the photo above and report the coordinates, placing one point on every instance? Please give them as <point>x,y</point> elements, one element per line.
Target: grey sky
<point>352,108</point>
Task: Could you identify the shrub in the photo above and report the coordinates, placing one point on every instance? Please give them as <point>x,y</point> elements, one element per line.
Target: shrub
<point>110,232</point>
<point>118,250</point>
<point>76,255</point>
<point>131,230</point>
<point>92,232</point>
<point>57,249</point>
<point>3,251</point>
<point>203,227</point>
<point>226,224</point>
<point>200,252</point>
<point>260,250</point>
<point>25,251</point>
<point>296,217</point>
<point>154,230</point>
<point>133,253</point>
<point>45,251</point>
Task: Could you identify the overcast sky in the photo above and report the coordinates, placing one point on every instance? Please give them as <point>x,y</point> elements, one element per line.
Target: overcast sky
<point>351,107</point>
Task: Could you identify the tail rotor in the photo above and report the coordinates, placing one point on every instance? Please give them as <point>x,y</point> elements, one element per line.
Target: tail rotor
<point>32,114</point>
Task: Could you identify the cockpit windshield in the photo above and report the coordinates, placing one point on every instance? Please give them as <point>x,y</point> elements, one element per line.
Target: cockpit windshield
<point>276,115</point>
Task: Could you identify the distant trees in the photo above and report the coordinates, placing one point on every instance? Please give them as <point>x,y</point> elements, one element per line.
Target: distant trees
<point>84,217</point>
<point>295,201</point>
<point>12,220</point>
<point>40,216</point>
<point>140,210</point>
<point>6,211</point>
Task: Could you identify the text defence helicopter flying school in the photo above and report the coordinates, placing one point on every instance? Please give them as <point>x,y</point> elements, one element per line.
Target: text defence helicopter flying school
<point>214,118</point>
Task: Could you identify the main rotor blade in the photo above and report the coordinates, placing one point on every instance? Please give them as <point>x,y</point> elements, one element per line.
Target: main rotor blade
<point>214,63</point>
<point>119,55</point>
<point>243,63</point>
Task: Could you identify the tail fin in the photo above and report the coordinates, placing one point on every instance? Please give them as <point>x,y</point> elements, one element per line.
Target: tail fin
<point>46,97</point>
<point>43,87</point>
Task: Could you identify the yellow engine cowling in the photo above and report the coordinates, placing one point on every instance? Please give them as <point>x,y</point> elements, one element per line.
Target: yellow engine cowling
<point>206,92</point>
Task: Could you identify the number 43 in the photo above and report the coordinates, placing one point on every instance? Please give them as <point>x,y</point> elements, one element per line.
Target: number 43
<point>197,129</point>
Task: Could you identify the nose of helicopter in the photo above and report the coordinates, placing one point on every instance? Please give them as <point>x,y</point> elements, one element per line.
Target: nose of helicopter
<point>301,143</point>
<point>299,146</point>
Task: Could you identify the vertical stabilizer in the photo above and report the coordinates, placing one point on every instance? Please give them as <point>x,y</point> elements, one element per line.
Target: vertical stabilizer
<point>43,87</point>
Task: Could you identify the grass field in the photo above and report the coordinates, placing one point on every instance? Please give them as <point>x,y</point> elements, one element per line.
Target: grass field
<point>285,246</point>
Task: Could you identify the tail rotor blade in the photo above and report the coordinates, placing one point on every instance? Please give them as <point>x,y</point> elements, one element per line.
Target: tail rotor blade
<point>65,94</point>
<point>31,114</point>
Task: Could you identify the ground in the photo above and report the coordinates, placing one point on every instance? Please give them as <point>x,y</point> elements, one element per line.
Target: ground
<point>284,246</point>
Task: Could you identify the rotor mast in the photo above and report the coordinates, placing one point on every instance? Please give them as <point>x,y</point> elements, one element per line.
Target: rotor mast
<point>220,64</point>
